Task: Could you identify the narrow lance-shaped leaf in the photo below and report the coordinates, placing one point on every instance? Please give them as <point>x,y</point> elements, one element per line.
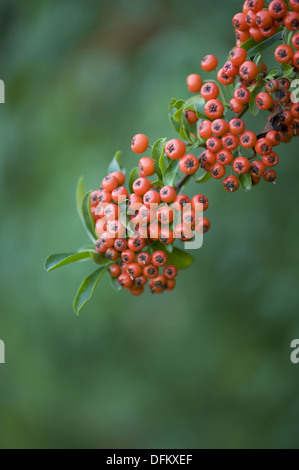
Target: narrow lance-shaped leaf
<point>254,48</point>
<point>157,156</point>
<point>80,193</point>
<point>134,175</point>
<point>252,105</point>
<point>62,259</point>
<point>87,217</point>
<point>115,165</point>
<point>87,288</point>
<point>171,173</point>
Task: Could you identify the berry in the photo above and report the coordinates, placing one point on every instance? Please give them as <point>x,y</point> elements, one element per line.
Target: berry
<point>263,100</point>
<point>141,186</point>
<point>134,270</point>
<point>135,201</point>
<point>283,53</point>
<point>120,244</point>
<point>119,194</point>
<point>270,176</point>
<point>239,22</point>
<point>249,70</point>
<point>225,79</point>
<point>166,236</point>
<point>170,272</point>
<point>104,196</point>
<point>170,285</point>
<point>274,137</point>
<point>217,170</point>
<point>241,165</point>
<point>165,215</point>
<point>125,281</point>
<point>236,106</point>
<point>175,149</point>
<point>114,270</point>
<point>295,41</point>
<point>115,229</point>
<point>271,86</point>
<point>231,183</point>
<point>257,168</point>
<point>264,19</point>
<point>151,198</point>
<point>230,69</point>
<point>189,164</point>
<point>109,183</point>
<point>159,258</point>
<point>194,83</point>
<point>199,203</point>
<point>146,166</point>
<point>213,144</point>
<point>263,146</point>
<point>94,197</point>
<point>139,143</point>
<point>209,91</point>
<point>191,116</point>
<point>208,157</point>
<point>242,95</point>
<point>238,56</point>
<point>167,194</point>
<point>219,127</point>
<point>209,63</point>
<point>119,176</point>
<point>204,129</point>
<point>150,271</point>
<point>144,259</point>
<point>112,254</point>
<point>225,157</point>
<point>214,109</point>
<point>236,126</point>
<point>270,160</point>
<point>278,9</point>
<point>183,232</point>
<point>136,243</point>
<point>230,141</point>
<point>291,20</point>
<point>203,225</point>
<point>128,256</point>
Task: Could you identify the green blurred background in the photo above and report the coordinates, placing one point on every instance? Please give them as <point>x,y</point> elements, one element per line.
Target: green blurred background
<point>205,366</point>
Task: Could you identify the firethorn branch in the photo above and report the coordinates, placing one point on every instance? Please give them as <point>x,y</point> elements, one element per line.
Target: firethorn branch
<point>137,230</point>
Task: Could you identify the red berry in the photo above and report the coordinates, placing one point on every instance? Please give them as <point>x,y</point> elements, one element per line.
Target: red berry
<point>175,149</point>
<point>291,20</point>
<point>150,271</point>
<point>283,53</point>
<point>146,166</point>
<point>109,183</point>
<point>120,244</point>
<point>270,176</point>
<point>230,141</point>
<point>209,91</point>
<point>167,194</point>
<point>125,281</point>
<point>159,258</point>
<point>151,198</point>
<point>141,186</point>
<point>194,83</point>
<point>242,95</point>
<point>114,270</point>
<point>249,70</point>
<point>257,168</point>
<point>189,164</point>
<point>219,127</point>
<point>231,183</point>
<point>217,170</point>
<point>199,203</point>
<point>119,176</point>
<point>238,56</point>
<point>139,143</point>
<point>214,109</point>
<point>119,194</point>
<point>144,259</point>
<point>236,126</point>
<point>271,160</point>
<point>277,8</point>
<point>203,225</point>
<point>263,146</point>
<point>209,63</point>
<point>170,272</point>
<point>225,157</point>
<point>241,165</point>
<point>204,129</point>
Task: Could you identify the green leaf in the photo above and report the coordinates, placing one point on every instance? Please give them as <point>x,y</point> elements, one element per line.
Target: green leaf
<point>193,107</point>
<point>62,259</point>
<point>253,48</point>
<point>168,248</point>
<point>80,193</point>
<point>257,59</point>
<point>134,175</point>
<point>245,182</point>
<point>272,74</point>
<point>115,165</point>
<point>204,178</point>
<point>190,130</point>
<point>287,70</point>
<point>179,258</point>
<point>87,288</point>
<point>199,103</point>
<point>158,156</point>
<point>88,219</point>
<point>171,173</point>
<point>288,35</point>
<point>176,104</point>
<point>176,125</point>
<point>114,283</point>
<point>252,105</point>
<point>178,114</point>
<point>98,258</point>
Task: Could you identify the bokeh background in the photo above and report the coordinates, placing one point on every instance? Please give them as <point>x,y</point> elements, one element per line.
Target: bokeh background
<point>203,367</point>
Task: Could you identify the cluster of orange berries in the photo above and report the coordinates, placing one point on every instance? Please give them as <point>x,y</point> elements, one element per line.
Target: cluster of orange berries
<point>224,140</point>
<point>128,225</point>
<point>259,21</point>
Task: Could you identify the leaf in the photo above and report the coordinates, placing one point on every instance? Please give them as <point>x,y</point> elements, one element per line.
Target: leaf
<point>171,173</point>
<point>179,258</point>
<point>175,125</point>
<point>204,178</point>
<point>245,182</point>
<point>87,288</point>
<point>87,217</point>
<point>257,59</point>
<point>62,259</point>
<point>176,104</point>
<point>168,248</point>
<point>190,130</point>
<point>114,283</point>
<point>199,103</point>
<point>178,114</point>
<point>115,165</point>
<point>287,70</point>
<point>80,193</point>
<point>158,156</point>
<point>288,35</point>
<point>252,105</point>
<point>98,258</point>
<point>272,74</point>
<point>253,48</point>
<point>134,175</point>
<point>193,107</point>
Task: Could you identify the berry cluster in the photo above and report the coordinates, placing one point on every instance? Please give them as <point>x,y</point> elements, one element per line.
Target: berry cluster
<point>130,225</point>
<point>136,229</point>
